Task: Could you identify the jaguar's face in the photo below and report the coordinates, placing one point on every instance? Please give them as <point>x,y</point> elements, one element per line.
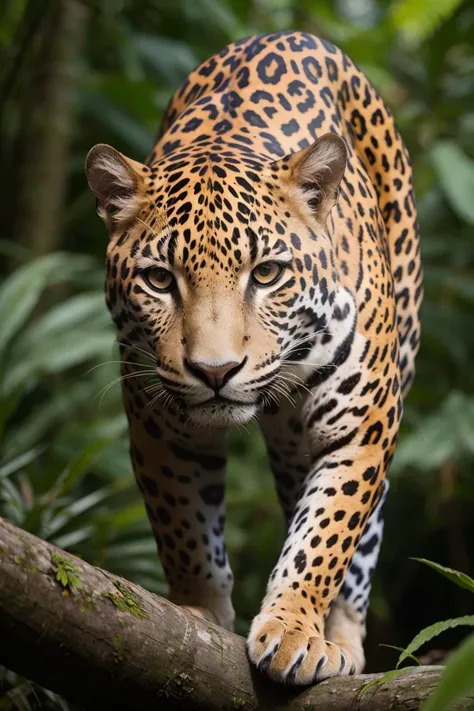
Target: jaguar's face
<point>219,332</point>
<point>223,276</point>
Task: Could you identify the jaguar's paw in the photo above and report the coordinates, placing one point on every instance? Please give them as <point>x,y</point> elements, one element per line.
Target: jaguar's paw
<point>291,651</point>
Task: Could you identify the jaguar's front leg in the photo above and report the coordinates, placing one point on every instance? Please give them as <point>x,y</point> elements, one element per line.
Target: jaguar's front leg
<point>351,442</point>
<point>180,472</point>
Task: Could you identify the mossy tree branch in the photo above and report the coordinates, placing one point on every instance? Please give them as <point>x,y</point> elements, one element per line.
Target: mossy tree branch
<point>106,643</point>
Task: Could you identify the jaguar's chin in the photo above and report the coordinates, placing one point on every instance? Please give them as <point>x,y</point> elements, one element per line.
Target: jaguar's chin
<point>222,415</point>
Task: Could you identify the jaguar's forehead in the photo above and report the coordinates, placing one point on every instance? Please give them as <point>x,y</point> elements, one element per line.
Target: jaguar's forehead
<point>213,209</point>
<point>214,176</point>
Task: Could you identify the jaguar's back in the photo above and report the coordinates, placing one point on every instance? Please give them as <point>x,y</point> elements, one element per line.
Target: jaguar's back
<point>265,263</point>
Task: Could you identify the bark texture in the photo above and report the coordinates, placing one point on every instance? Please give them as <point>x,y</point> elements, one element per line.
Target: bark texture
<point>103,642</point>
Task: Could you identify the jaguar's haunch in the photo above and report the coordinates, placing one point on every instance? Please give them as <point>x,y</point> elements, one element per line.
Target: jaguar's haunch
<point>264,263</point>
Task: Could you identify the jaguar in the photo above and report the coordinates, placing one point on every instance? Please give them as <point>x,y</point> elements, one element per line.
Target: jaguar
<point>264,264</point>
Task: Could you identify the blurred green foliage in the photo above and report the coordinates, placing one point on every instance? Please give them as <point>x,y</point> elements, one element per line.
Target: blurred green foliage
<point>64,468</point>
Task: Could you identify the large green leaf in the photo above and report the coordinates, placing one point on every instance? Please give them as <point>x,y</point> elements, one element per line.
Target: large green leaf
<point>63,352</point>
<point>416,19</point>
<point>20,292</point>
<point>457,680</point>
<point>433,631</point>
<point>461,579</point>
<point>76,312</point>
<point>456,173</point>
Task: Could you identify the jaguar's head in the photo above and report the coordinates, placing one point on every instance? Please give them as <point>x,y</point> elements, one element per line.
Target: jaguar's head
<point>220,265</point>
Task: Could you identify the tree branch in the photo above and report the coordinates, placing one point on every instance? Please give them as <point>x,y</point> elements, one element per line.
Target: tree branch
<point>98,639</point>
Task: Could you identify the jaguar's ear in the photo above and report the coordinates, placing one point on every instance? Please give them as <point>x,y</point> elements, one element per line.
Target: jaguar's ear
<point>118,184</point>
<point>317,171</point>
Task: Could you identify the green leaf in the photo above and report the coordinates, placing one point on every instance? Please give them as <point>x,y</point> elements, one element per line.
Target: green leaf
<point>433,631</point>
<point>461,579</point>
<point>456,174</point>
<point>69,349</point>
<point>19,462</point>
<point>457,680</point>
<point>401,649</point>
<point>20,292</point>
<point>416,20</point>
<point>61,410</point>
<point>61,576</point>
<point>84,310</point>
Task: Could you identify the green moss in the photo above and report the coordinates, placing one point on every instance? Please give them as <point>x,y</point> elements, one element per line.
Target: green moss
<point>67,574</point>
<point>125,601</point>
<point>118,647</point>
<point>27,560</point>
<point>89,605</point>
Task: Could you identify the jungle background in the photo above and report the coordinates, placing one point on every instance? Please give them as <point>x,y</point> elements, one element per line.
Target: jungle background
<point>77,73</point>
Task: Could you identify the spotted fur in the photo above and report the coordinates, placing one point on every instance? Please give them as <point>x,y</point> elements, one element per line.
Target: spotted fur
<point>278,152</point>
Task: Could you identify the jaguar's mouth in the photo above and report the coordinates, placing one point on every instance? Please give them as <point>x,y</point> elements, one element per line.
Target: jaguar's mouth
<point>222,412</point>
<point>224,401</point>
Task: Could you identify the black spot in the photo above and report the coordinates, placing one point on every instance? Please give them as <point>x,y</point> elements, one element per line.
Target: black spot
<point>149,484</point>
<point>163,515</point>
<point>312,69</point>
<point>348,385</point>
<point>368,547</point>
<point>212,494</point>
<point>290,127</point>
<point>353,521</point>
<point>350,487</point>
<point>371,474</point>
<point>271,68</point>
<point>300,561</point>
<point>373,434</point>
<point>346,543</point>
<point>207,461</point>
<point>152,428</point>
<point>322,410</point>
<point>254,119</point>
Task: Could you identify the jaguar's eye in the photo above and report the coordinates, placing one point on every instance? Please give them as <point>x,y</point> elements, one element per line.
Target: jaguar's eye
<point>267,273</point>
<point>159,279</point>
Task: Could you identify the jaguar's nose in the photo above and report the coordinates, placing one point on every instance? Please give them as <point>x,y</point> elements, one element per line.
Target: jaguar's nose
<point>215,376</point>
